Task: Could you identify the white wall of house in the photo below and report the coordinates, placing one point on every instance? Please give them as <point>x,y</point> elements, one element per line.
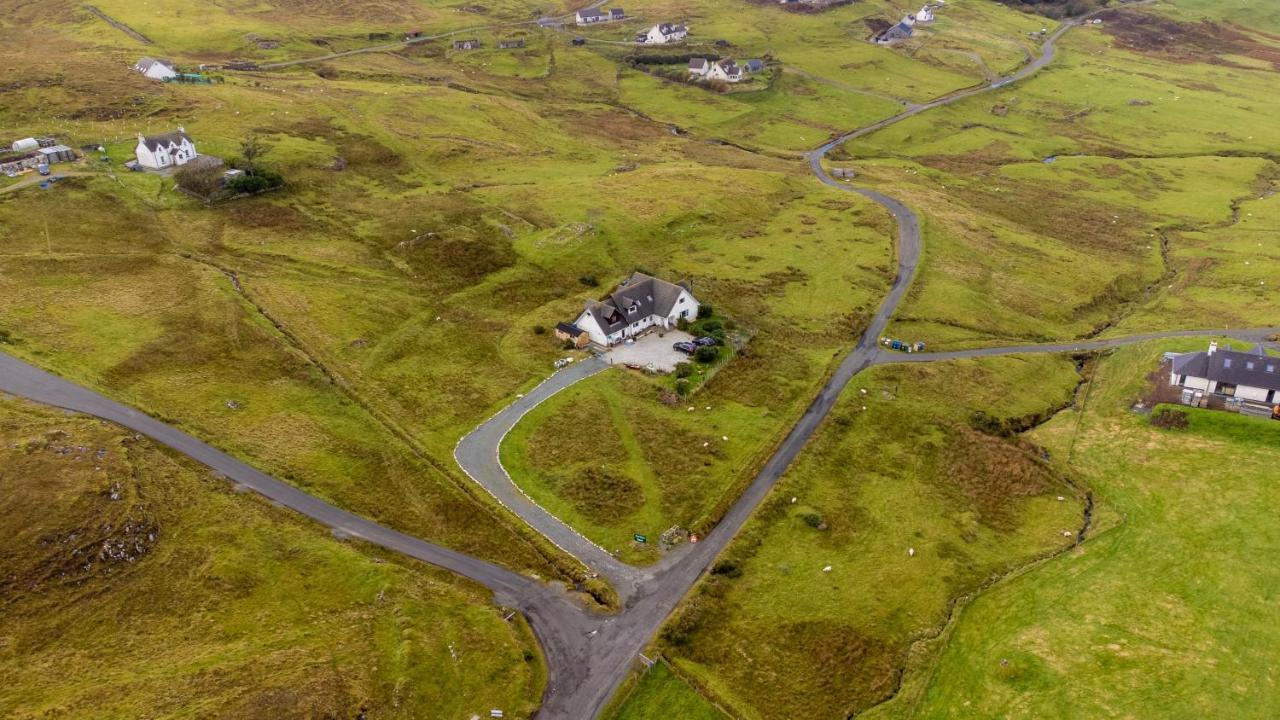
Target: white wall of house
<point>1249,392</point>
<point>1195,383</point>
<point>587,323</point>
<point>686,307</point>
<point>165,156</point>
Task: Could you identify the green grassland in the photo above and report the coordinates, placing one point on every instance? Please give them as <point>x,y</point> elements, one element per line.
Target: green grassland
<point>137,585</point>
<point>773,634</point>
<point>1169,613</point>
<point>660,694</point>
<point>1157,145</point>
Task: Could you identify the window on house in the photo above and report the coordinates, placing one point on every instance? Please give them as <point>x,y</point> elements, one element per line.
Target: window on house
<point>1248,365</point>
<point>1226,362</point>
<point>1271,368</point>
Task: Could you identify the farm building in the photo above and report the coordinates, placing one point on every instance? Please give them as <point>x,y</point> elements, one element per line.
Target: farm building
<point>14,164</point>
<point>168,150</point>
<point>1246,377</point>
<point>753,66</point>
<point>511,44</point>
<point>639,304</point>
<point>155,69</point>
<point>666,33</point>
<point>901,31</point>
<point>57,153</point>
<point>25,144</point>
<point>470,44</point>
<point>572,333</point>
<point>698,67</point>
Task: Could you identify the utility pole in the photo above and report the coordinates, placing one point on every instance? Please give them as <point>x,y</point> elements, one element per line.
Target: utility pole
<point>48,244</point>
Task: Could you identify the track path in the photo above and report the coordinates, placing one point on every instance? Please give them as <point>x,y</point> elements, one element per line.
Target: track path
<point>588,655</point>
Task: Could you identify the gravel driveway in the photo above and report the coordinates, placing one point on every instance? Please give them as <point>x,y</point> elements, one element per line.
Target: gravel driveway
<point>651,350</point>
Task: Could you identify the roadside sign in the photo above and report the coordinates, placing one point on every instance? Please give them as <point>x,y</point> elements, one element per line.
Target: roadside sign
<point>640,538</point>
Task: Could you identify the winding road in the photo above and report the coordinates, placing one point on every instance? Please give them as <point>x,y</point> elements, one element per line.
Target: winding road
<point>588,655</point>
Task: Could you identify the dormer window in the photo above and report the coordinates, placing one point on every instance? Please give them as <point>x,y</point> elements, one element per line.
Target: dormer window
<point>1226,362</point>
<point>1271,368</point>
<point>632,309</point>
<point>1248,365</point>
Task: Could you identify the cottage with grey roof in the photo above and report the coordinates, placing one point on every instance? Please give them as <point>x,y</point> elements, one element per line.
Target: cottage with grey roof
<point>157,152</point>
<point>639,304</point>
<point>155,69</point>
<point>1252,376</point>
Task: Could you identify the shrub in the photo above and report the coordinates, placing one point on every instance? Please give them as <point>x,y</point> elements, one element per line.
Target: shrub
<point>727,568</point>
<point>539,330</point>
<point>682,325</point>
<point>706,354</point>
<point>684,369</point>
<point>682,386</point>
<point>568,345</point>
<point>705,311</point>
<point>260,181</point>
<point>5,337</point>
<point>589,280</point>
<point>1170,419</point>
<point>812,519</point>
<point>199,179</point>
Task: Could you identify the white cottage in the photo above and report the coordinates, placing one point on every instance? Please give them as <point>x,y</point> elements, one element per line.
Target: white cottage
<point>589,16</point>
<point>156,69</point>
<point>666,33</point>
<point>726,70</point>
<point>168,150</point>
<point>1252,376</point>
<point>639,304</point>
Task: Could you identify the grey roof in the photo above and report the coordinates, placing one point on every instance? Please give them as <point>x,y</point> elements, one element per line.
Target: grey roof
<point>590,12</point>
<point>669,29</point>
<point>647,295</point>
<point>173,139</point>
<point>755,65</point>
<point>55,149</point>
<point>616,13</point>
<point>697,63</point>
<point>569,329</point>
<point>1254,368</point>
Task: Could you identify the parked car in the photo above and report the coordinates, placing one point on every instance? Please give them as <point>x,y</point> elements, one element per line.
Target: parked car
<point>687,348</point>
<point>706,341</point>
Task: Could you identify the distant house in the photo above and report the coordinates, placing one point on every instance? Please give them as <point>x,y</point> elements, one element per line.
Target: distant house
<point>470,44</point>
<point>901,31</point>
<point>663,33</point>
<point>155,69</point>
<point>925,15</point>
<point>617,14</point>
<point>638,305</point>
<point>726,70</point>
<point>157,152</point>
<point>1251,377</point>
<point>587,16</point>
<point>511,44</point>
<point>753,66</point>
<point>698,67</point>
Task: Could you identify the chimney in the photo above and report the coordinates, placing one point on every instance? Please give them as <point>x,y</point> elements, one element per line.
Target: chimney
<point>1213,347</point>
<point>181,129</point>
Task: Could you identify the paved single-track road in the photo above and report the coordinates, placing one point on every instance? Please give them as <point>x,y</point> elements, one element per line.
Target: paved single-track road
<point>588,655</point>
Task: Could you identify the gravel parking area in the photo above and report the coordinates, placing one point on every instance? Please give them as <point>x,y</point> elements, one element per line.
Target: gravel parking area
<point>651,351</point>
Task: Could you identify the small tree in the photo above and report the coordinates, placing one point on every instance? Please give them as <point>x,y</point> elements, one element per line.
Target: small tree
<point>252,149</point>
<point>705,311</point>
<point>706,354</point>
<point>684,369</point>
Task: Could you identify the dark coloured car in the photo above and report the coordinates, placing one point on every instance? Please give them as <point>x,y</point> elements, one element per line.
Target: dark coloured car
<point>687,348</point>
<point>706,341</point>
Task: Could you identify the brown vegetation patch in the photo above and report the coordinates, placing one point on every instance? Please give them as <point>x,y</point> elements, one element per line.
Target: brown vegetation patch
<point>1203,41</point>
<point>603,495</point>
<point>588,421</point>
<point>851,671</point>
<point>992,475</point>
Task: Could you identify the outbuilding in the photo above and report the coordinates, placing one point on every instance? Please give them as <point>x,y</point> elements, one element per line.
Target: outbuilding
<point>155,69</point>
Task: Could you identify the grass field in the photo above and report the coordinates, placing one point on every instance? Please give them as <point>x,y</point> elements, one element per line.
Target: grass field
<point>660,694</point>
<point>136,585</point>
<point>891,514</point>
<point>1167,613</point>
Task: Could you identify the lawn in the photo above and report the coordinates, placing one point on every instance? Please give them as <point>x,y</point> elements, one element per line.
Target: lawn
<point>891,515</point>
<point>136,585</point>
<point>1169,613</point>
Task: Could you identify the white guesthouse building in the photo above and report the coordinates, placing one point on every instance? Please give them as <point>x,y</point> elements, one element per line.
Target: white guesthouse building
<point>640,303</point>
<point>1250,376</point>
<point>155,69</point>
<point>157,152</point>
